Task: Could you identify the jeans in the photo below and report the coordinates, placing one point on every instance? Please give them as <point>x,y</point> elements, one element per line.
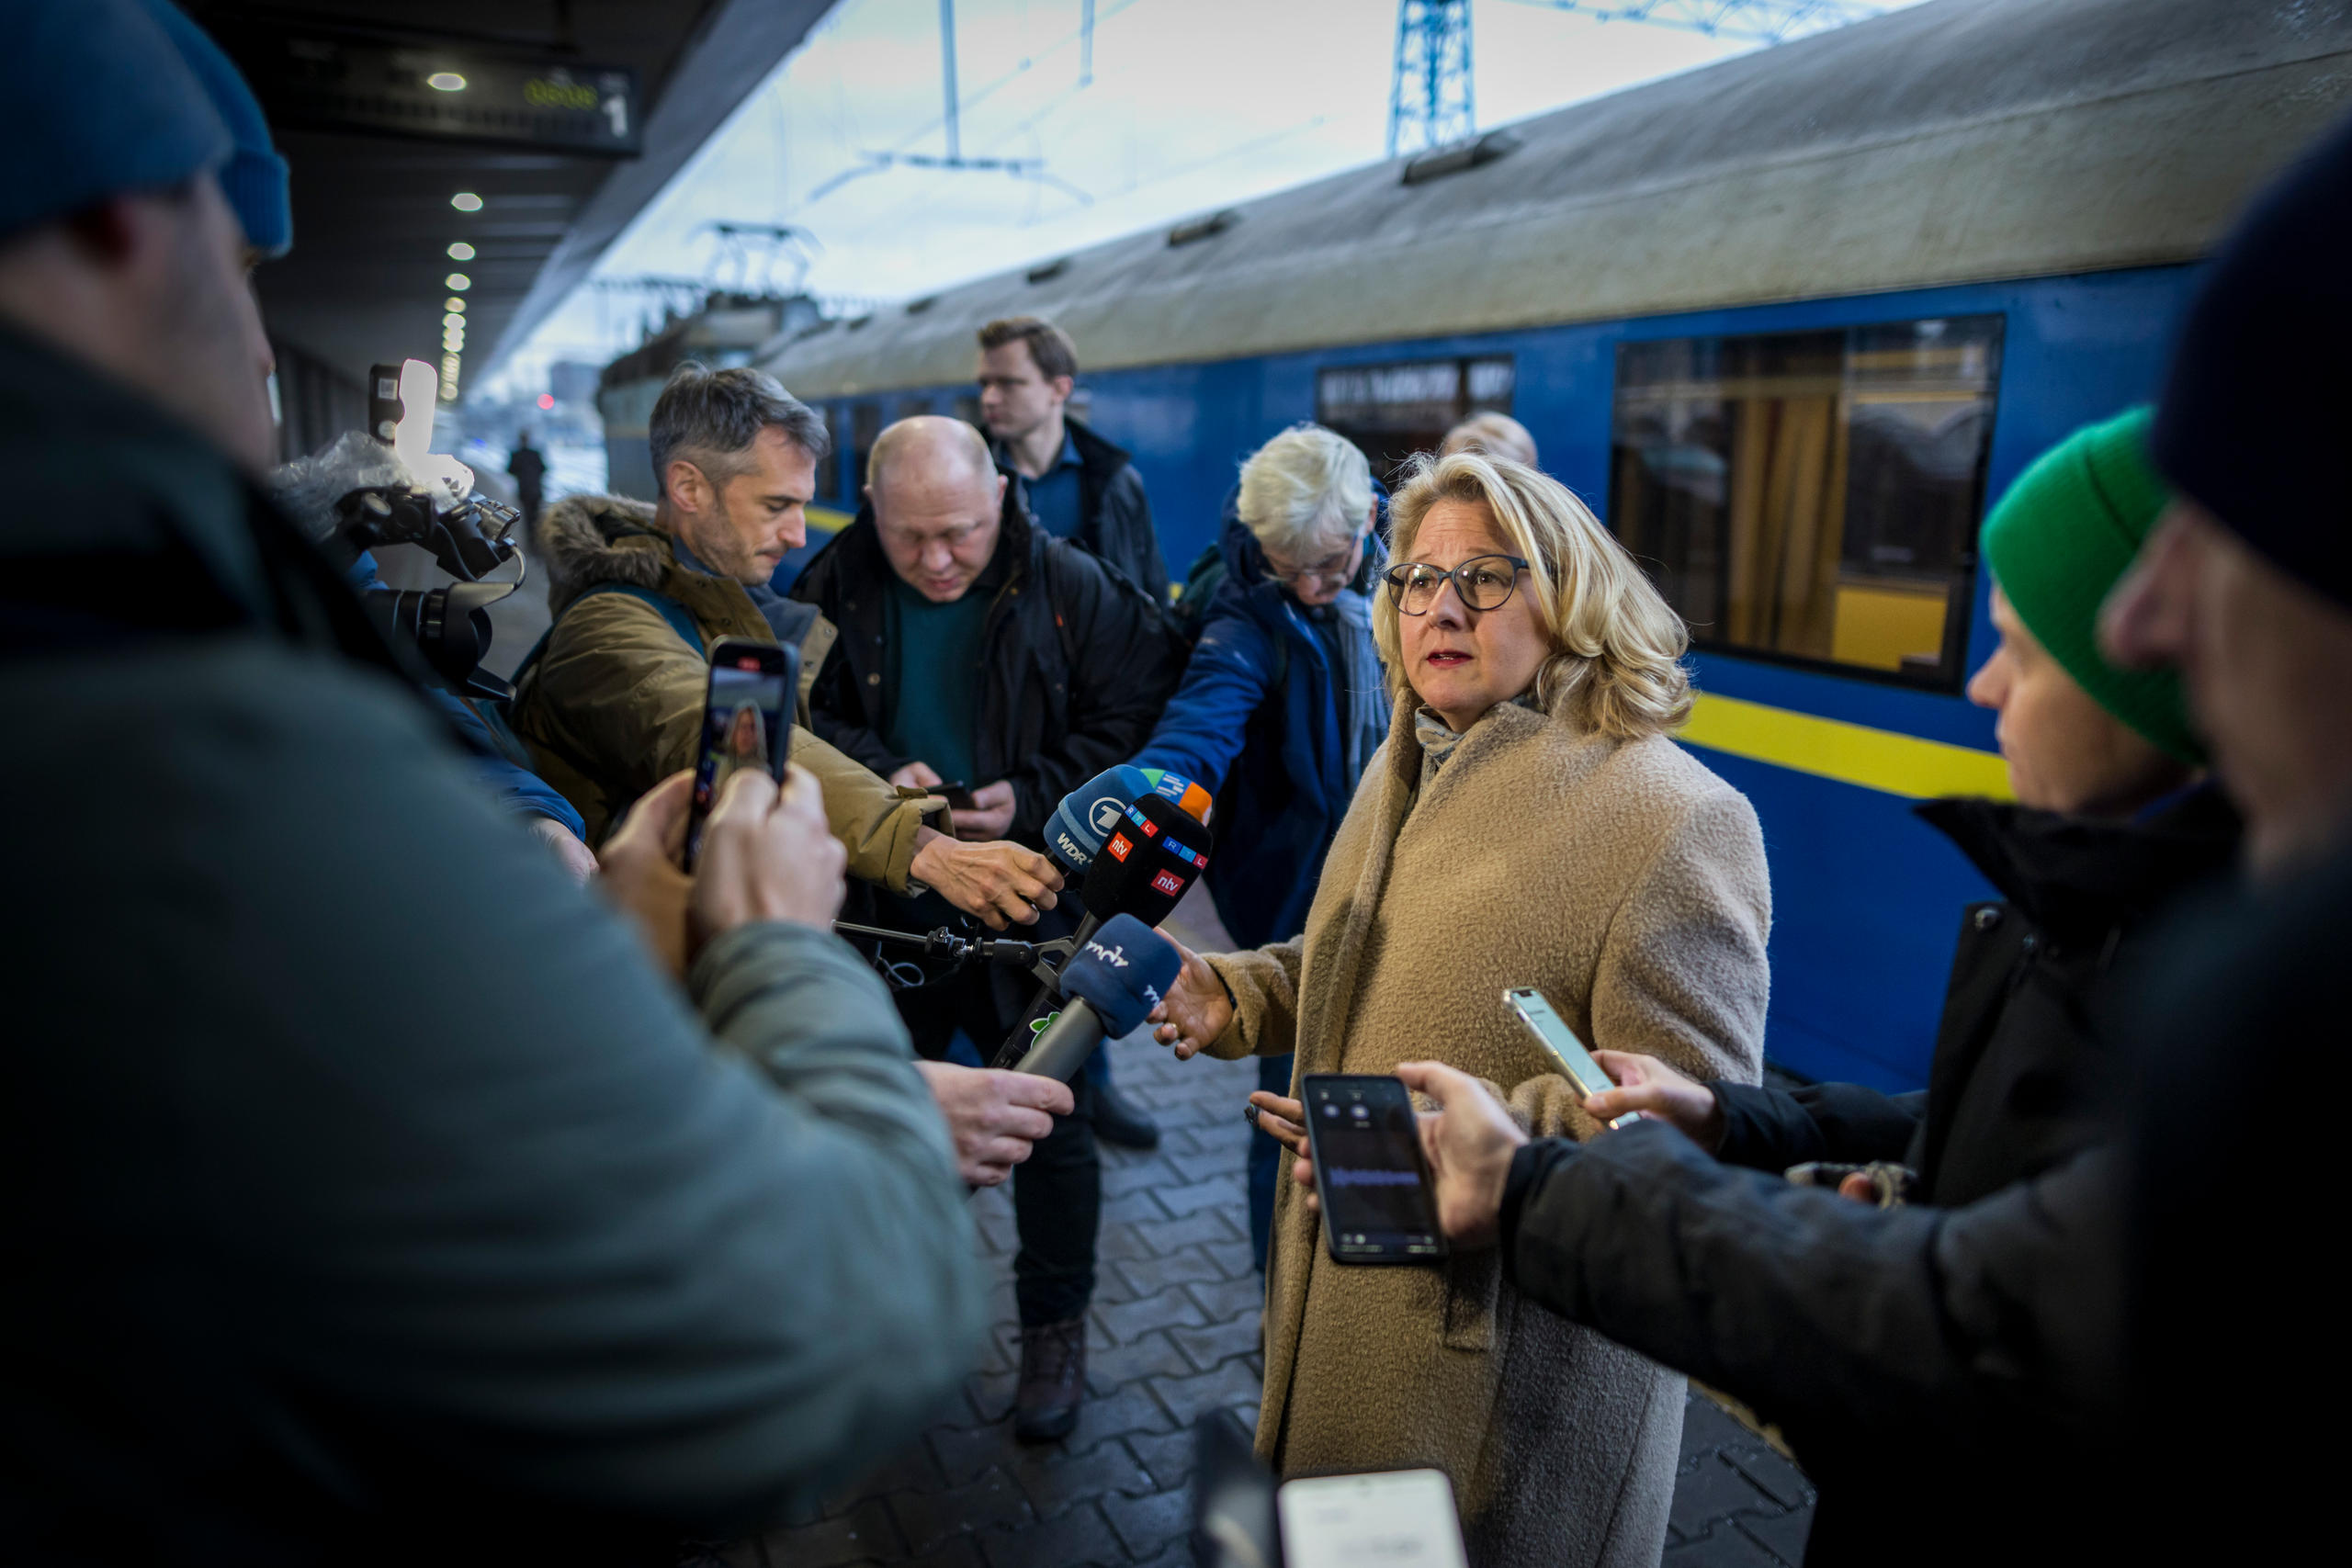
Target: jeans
<point>1058,1191</point>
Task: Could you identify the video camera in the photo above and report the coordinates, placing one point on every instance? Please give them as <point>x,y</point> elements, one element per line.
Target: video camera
<point>385,486</point>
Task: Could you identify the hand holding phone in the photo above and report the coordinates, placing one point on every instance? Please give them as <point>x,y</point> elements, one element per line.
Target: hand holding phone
<point>1561,1044</point>
<point>1371,1182</point>
<point>746,722</point>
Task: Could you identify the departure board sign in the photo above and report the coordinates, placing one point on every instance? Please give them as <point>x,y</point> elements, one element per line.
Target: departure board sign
<point>459,92</point>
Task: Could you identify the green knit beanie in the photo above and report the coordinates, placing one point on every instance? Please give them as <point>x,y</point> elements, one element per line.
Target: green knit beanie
<point>2056,544</point>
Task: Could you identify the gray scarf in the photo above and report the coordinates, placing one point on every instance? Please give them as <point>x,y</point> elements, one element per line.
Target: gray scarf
<point>1363,698</point>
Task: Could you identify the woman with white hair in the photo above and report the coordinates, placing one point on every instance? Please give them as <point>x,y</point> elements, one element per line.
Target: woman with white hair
<point>1527,823</point>
<point>1284,701</point>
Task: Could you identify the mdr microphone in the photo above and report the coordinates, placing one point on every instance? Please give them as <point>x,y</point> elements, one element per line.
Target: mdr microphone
<point>1110,984</point>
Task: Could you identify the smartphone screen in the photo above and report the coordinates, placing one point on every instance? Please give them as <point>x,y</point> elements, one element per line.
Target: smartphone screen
<point>1560,1043</point>
<point>746,722</point>
<point>1399,1518</point>
<point>1377,1203</point>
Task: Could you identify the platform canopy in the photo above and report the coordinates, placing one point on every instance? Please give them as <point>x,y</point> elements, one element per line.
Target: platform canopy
<point>564,117</point>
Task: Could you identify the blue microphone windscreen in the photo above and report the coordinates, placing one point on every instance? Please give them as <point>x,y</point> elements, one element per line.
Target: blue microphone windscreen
<point>1122,972</point>
<point>1076,830</point>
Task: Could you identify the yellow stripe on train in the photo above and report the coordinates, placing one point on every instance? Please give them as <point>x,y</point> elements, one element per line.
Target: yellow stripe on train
<point>825,520</point>
<point>1850,753</point>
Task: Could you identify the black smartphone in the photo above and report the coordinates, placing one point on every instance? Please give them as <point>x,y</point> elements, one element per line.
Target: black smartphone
<point>959,794</point>
<point>1379,1205</point>
<point>746,721</point>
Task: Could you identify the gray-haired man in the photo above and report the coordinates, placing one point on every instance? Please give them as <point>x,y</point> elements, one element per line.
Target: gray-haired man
<point>614,701</point>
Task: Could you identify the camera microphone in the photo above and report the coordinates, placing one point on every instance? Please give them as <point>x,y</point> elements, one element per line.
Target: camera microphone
<point>1113,982</point>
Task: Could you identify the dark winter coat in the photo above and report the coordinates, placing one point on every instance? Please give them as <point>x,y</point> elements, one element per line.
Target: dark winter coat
<point>1076,663</point>
<point>1113,512</point>
<point>1256,722</point>
<point>1924,1360</point>
<point>369,1195</point>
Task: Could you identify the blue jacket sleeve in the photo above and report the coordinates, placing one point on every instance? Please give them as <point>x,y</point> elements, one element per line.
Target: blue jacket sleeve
<point>1201,731</point>
<point>513,786</point>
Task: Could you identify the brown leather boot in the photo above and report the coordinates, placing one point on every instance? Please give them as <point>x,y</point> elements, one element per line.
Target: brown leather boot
<point>1053,1381</point>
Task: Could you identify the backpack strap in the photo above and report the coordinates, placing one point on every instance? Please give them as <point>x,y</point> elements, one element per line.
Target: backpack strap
<point>669,609</point>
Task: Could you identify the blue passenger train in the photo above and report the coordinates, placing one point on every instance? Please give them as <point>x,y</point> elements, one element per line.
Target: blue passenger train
<point>1786,323</point>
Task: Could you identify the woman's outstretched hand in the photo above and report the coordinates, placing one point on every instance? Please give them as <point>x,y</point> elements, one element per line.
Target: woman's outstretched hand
<point>1197,1010</point>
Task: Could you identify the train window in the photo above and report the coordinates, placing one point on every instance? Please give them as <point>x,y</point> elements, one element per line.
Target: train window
<point>967,408</point>
<point>1394,410</point>
<point>1812,496</point>
<point>865,427</point>
<point>911,408</point>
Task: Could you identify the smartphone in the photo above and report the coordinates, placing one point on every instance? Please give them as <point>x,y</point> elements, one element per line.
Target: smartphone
<point>1379,1205</point>
<point>746,721</point>
<point>959,796</point>
<point>1560,1043</point>
<point>1397,1518</point>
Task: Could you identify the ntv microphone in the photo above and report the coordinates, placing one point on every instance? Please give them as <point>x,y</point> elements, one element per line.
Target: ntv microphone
<point>1147,862</point>
<point>1113,982</point>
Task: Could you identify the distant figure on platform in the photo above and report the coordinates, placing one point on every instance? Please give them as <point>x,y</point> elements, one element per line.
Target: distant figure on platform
<point>976,650</point>
<point>1493,435</point>
<point>529,471</point>
<point>1075,486</point>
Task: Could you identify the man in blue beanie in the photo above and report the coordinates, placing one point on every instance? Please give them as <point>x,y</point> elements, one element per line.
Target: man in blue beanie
<point>370,1194</point>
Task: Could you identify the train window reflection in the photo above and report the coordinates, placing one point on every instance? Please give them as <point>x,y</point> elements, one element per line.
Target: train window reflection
<point>1812,496</point>
<point>1394,410</point>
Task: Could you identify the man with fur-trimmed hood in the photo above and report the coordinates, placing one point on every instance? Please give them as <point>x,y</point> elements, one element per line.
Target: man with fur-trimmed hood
<point>613,703</point>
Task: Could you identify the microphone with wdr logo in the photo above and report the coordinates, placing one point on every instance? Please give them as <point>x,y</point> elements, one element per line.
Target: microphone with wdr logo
<point>1113,982</point>
<point>1086,815</point>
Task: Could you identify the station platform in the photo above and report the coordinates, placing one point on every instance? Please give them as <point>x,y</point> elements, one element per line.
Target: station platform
<point>1173,1335</point>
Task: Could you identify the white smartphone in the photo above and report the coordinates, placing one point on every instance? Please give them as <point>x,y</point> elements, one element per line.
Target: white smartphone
<point>1397,1518</point>
<point>1560,1043</point>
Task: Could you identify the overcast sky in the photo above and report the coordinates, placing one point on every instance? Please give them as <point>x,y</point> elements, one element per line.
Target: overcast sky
<point>1194,104</point>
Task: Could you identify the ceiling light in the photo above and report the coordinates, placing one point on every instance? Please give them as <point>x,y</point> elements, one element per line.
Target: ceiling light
<point>454,319</point>
<point>459,281</point>
<point>466,201</point>
<point>454,303</point>
<point>461,251</point>
<point>446,81</point>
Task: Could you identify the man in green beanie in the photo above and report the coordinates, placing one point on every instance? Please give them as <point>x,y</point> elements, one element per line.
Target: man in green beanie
<point>1912,1345</point>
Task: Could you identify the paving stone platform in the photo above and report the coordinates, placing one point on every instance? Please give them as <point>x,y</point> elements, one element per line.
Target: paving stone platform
<point>1173,1335</point>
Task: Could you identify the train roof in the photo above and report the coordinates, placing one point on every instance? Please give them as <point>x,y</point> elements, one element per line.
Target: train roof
<point>1955,141</point>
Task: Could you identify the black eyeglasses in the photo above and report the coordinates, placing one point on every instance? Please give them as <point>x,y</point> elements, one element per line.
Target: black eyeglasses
<point>1483,583</point>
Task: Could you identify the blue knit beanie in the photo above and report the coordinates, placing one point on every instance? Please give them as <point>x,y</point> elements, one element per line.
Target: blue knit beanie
<point>100,106</point>
<point>255,178</point>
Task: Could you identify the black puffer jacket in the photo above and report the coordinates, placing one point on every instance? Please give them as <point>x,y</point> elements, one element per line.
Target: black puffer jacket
<point>2019,1080</point>
<point>1113,512</point>
<point>1076,667</point>
<point>1944,1372</point>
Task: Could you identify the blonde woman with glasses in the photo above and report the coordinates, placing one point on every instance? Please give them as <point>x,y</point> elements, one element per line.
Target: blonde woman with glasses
<point>1528,822</point>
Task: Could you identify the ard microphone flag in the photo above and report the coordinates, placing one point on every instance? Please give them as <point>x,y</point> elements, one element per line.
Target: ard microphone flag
<point>1087,814</point>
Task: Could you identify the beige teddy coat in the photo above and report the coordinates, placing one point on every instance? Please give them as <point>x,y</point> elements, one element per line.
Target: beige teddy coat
<point>1628,884</point>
